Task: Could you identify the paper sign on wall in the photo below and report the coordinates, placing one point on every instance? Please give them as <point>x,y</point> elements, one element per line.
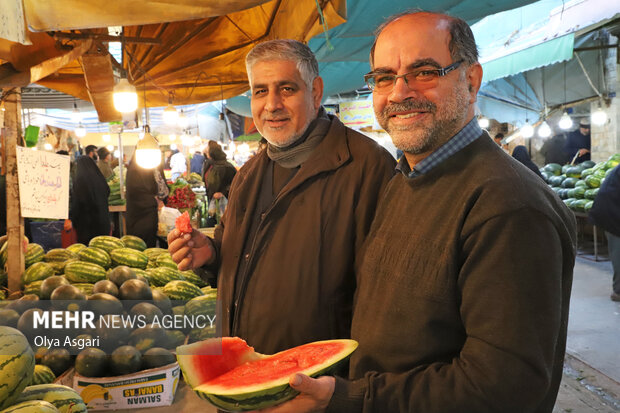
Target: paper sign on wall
<point>43,184</point>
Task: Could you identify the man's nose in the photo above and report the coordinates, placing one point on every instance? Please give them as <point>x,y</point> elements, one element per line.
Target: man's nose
<point>273,102</point>
<point>401,91</point>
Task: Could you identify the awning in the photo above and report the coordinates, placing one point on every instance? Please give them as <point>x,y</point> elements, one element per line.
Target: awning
<point>544,54</point>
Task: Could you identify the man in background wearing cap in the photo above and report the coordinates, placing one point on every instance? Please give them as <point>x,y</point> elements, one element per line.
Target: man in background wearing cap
<point>578,141</point>
<point>105,157</point>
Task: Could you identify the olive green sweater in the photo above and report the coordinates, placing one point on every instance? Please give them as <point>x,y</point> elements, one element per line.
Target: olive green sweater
<point>463,294</point>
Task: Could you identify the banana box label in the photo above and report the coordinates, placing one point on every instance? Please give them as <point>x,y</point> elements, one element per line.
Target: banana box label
<point>147,388</point>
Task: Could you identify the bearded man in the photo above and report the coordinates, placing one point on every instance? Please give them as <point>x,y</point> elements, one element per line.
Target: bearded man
<point>297,213</point>
<point>464,285</point>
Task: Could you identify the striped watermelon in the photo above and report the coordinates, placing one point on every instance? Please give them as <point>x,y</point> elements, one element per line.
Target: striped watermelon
<point>32,406</point>
<point>165,260</point>
<point>200,334</point>
<point>106,243</point>
<point>233,377</point>
<point>194,278</point>
<point>34,253</point>
<point>59,266</point>
<point>33,288</point>
<point>4,254</point>
<point>17,364</point>
<point>129,257</point>
<point>203,305</point>
<point>181,290</point>
<point>95,255</point>
<point>75,248</point>
<point>59,255</point>
<point>153,253</point>
<point>64,398</point>
<point>131,241</point>
<point>161,276</point>
<point>36,272</point>
<point>84,272</point>
<point>43,375</point>
<point>86,288</point>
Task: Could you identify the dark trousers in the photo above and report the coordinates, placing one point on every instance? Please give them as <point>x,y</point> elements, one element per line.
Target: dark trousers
<point>614,255</point>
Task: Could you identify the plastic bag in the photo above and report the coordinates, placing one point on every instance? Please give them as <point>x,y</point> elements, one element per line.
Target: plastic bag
<point>217,208</point>
<point>167,218</point>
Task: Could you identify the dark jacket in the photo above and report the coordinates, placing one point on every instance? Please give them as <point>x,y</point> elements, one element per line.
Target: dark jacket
<point>605,211</point>
<point>554,150</point>
<point>195,164</point>
<point>521,155</point>
<point>142,210</point>
<point>463,295</point>
<point>575,141</point>
<point>89,201</point>
<point>220,177</point>
<point>299,281</point>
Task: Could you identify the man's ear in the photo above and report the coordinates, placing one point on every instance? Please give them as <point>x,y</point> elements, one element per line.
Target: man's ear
<point>474,79</point>
<point>317,91</point>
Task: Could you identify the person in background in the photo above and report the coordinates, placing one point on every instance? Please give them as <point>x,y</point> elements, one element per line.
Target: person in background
<point>520,154</point>
<point>498,139</point>
<point>298,212</point>
<point>91,152</point>
<point>178,165</point>
<point>578,142</point>
<point>88,212</point>
<point>208,162</point>
<point>195,164</point>
<point>464,282</point>
<point>167,156</point>
<point>105,157</point>
<point>605,213</point>
<point>221,174</point>
<point>146,188</point>
<point>554,150</point>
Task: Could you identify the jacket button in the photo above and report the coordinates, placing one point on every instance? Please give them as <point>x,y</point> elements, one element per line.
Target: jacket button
<point>247,257</point>
<point>262,216</point>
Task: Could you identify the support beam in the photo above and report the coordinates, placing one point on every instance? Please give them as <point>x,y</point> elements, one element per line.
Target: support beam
<point>99,79</point>
<point>14,220</point>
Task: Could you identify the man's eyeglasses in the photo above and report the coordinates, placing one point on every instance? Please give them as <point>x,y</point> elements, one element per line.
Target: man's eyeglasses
<point>421,78</point>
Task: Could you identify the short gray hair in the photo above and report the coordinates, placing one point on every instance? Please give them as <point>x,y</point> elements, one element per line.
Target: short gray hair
<point>285,49</point>
<point>462,43</point>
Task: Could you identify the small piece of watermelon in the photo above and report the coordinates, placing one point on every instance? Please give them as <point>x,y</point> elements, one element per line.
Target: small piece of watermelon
<point>233,377</point>
<point>182,223</point>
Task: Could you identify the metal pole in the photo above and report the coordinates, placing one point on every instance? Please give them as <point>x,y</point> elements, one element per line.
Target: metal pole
<point>121,165</point>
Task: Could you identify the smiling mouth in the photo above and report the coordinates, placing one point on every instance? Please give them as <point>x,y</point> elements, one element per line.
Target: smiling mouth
<point>406,115</point>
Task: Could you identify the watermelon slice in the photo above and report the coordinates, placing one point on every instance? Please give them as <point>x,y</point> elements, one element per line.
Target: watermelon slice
<point>233,377</point>
<point>182,223</point>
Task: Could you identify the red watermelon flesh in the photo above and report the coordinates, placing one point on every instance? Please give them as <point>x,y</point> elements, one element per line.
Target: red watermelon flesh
<point>182,223</point>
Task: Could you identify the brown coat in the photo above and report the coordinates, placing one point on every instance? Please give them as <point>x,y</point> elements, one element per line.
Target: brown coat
<point>300,281</point>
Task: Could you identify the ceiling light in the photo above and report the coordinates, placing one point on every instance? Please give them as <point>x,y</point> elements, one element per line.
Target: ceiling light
<point>76,116</point>
<point>125,97</point>
<point>183,121</point>
<point>110,148</point>
<point>106,138</point>
<point>80,131</point>
<point>527,130</point>
<point>170,116</point>
<point>483,122</point>
<point>544,130</point>
<point>48,146</point>
<point>598,117</point>
<point>148,155</point>
<point>565,122</point>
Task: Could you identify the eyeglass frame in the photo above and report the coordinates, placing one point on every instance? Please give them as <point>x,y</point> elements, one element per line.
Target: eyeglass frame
<point>441,72</point>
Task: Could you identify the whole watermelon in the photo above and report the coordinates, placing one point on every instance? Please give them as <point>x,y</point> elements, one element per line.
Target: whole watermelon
<point>17,361</point>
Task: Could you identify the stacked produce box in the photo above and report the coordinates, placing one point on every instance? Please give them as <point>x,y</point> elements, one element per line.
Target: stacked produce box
<point>577,185</point>
<point>115,188</point>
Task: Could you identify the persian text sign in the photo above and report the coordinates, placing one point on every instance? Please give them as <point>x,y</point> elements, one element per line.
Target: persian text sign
<point>357,114</point>
<point>43,184</point>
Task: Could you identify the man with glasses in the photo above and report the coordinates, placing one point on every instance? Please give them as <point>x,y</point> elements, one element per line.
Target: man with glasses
<point>464,286</point>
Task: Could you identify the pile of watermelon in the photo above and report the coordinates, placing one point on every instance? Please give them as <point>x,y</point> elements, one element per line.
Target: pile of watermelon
<point>19,391</point>
<point>114,276</point>
<point>577,185</point>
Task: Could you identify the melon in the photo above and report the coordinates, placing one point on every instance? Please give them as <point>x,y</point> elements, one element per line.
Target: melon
<point>232,376</point>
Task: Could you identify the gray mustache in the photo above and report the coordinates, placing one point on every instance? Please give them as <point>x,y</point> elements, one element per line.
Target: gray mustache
<point>406,106</point>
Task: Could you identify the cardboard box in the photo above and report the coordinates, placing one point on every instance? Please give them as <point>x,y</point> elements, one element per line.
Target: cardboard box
<point>146,388</point>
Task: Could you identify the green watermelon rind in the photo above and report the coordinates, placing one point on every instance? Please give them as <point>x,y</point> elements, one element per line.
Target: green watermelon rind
<point>129,257</point>
<point>64,398</point>
<point>134,242</point>
<point>84,272</point>
<point>96,256</point>
<point>264,395</point>
<point>39,406</point>
<point>160,276</point>
<point>34,253</point>
<point>42,375</point>
<point>106,243</point>
<point>37,272</point>
<point>17,363</point>
<point>181,290</point>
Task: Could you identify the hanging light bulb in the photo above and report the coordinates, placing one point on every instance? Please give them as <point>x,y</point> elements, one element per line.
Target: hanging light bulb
<point>80,131</point>
<point>183,121</point>
<point>106,138</point>
<point>483,122</point>
<point>187,140</point>
<point>527,130</point>
<point>110,148</point>
<point>171,116</point>
<point>599,117</point>
<point>148,155</point>
<point>48,146</point>
<point>125,97</point>
<point>173,146</point>
<point>544,130</point>
<point>565,122</point>
<point>76,116</point>
<point>172,137</point>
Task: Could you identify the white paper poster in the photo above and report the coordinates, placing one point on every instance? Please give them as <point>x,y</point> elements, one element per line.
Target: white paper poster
<point>43,184</point>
